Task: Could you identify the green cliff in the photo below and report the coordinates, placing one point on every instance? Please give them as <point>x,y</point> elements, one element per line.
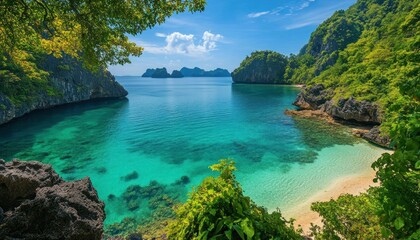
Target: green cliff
<point>261,67</point>
<point>48,82</point>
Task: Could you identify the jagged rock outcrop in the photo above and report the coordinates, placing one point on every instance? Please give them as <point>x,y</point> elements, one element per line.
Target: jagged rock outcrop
<point>38,204</point>
<point>320,98</point>
<point>313,98</point>
<point>374,135</point>
<point>353,110</point>
<point>68,82</point>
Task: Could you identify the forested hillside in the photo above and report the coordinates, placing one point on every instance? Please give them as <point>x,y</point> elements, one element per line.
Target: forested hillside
<point>372,52</point>
<point>367,51</point>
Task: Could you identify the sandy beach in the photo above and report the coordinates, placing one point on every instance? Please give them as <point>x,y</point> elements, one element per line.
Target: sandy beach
<point>353,184</point>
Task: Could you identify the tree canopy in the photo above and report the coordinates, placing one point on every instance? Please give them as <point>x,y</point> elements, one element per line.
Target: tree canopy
<point>96,30</point>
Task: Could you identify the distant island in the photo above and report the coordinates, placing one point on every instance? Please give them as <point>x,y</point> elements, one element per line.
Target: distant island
<point>186,72</point>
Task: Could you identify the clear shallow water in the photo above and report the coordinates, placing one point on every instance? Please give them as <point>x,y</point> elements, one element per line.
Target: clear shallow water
<point>169,128</point>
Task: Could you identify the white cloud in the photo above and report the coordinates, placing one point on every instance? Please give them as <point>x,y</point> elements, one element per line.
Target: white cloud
<point>313,17</point>
<point>185,44</point>
<point>284,10</point>
<point>160,35</point>
<point>258,14</point>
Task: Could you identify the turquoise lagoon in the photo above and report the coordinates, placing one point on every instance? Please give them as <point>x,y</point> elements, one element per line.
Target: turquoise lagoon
<point>169,128</point>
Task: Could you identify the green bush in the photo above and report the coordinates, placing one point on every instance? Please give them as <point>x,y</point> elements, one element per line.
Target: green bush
<point>217,209</point>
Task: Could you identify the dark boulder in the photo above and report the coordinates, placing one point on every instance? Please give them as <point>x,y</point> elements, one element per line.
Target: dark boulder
<point>375,136</point>
<point>320,98</point>
<point>52,208</point>
<point>353,110</point>
<point>19,181</point>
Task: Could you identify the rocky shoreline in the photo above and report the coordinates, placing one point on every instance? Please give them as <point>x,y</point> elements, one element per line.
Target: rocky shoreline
<point>363,116</point>
<point>36,203</point>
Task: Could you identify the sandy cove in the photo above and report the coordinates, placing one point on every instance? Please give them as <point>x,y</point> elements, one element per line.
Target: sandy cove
<point>354,184</point>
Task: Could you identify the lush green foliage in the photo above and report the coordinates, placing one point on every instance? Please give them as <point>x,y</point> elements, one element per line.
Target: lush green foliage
<point>96,29</point>
<point>376,58</point>
<point>365,52</point>
<point>93,31</point>
<point>351,217</point>
<point>261,67</point>
<point>217,209</point>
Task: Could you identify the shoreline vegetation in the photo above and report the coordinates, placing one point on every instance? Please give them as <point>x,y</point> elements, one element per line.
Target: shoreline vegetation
<point>352,184</point>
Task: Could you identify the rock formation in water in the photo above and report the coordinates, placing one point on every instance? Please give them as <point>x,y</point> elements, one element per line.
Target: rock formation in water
<point>261,67</point>
<point>198,72</point>
<point>149,72</point>
<point>176,74</point>
<point>68,82</point>
<point>38,204</point>
<point>161,73</point>
<point>189,72</point>
<point>318,98</point>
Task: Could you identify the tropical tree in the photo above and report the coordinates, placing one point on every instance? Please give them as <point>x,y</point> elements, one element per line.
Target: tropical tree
<point>96,30</point>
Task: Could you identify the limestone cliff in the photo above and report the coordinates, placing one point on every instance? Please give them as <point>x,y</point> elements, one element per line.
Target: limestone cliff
<point>261,67</point>
<point>67,82</point>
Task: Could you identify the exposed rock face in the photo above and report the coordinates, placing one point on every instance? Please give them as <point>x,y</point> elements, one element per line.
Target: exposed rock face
<point>38,204</point>
<point>319,98</point>
<point>375,136</point>
<point>313,98</point>
<point>351,109</point>
<point>71,83</point>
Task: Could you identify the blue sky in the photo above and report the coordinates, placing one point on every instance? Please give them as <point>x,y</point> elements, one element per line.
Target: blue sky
<point>227,31</point>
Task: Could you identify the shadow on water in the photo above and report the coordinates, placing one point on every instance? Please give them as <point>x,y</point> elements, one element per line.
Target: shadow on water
<point>19,137</point>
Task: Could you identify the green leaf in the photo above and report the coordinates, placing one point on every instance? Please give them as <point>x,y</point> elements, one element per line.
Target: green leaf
<point>386,233</point>
<point>228,234</point>
<point>418,164</point>
<point>239,231</point>
<point>398,223</point>
<point>247,227</point>
<point>203,235</point>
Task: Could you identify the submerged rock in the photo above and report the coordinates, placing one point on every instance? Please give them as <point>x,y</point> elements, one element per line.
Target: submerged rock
<point>38,204</point>
<point>131,176</point>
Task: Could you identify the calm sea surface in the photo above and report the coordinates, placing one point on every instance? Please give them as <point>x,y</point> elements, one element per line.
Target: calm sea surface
<point>170,128</point>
